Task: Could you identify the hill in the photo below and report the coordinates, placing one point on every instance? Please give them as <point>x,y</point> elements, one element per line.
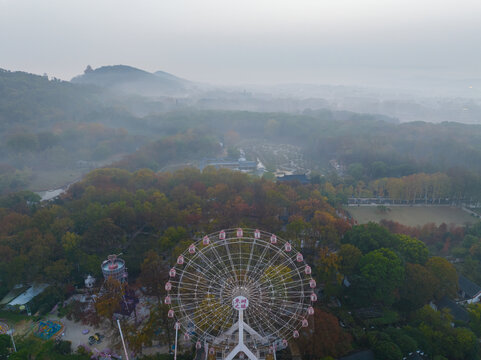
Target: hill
<point>37,100</point>
<point>130,80</point>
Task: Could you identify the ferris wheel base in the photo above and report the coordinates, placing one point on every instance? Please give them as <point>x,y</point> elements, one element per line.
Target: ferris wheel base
<point>238,349</point>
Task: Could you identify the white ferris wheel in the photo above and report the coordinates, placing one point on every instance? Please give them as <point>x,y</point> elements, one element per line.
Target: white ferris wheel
<point>240,292</point>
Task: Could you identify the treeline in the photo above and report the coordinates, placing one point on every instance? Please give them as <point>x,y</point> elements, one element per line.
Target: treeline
<point>429,188</point>
<point>113,211</point>
<point>369,148</point>
<point>189,145</point>
<point>395,150</point>
<point>425,188</point>
<point>461,243</point>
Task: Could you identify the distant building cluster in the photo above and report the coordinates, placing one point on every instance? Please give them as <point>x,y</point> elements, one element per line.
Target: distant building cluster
<point>243,165</point>
<point>302,178</point>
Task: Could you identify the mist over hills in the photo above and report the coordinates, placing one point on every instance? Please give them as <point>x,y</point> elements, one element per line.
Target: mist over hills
<point>142,93</point>
<point>53,131</point>
<point>433,100</point>
<point>130,80</point>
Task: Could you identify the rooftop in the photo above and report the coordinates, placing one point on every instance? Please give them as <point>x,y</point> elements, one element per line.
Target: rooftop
<point>457,311</point>
<point>302,178</point>
<point>470,288</point>
<point>15,292</point>
<point>25,296</point>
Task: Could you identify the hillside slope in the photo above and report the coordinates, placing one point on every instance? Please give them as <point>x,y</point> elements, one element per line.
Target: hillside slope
<point>131,80</point>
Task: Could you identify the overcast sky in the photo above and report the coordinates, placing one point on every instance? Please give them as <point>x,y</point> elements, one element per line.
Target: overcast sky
<point>245,41</point>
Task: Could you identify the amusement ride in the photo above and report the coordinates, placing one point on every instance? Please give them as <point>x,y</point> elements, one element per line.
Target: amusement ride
<point>240,292</point>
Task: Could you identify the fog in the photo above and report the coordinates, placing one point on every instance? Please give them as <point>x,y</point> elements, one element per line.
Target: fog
<point>255,42</point>
<point>137,73</point>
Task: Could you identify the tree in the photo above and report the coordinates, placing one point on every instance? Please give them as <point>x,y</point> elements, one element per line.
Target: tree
<point>412,250</point>
<point>159,325</point>
<point>103,236</point>
<point>382,272</point>
<point>386,350</point>
<point>441,338</point>
<point>475,318</point>
<point>172,236</point>
<point>5,345</point>
<point>109,301</point>
<point>153,275</point>
<point>324,337</point>
<point>356,170</point>
<point>445,273</point>
<point>418,287</point>
<point>327,270</point>
<point>369,237</point>
<point>59,271</point>
<point>350,257</point>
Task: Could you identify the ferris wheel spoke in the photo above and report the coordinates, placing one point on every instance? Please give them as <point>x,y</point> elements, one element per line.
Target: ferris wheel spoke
<point>259,260</point>
<point>214,274</point>
<point>268,318</point>
<point>230,260</point>
<point>271,263</point>
<point>256,320</point>
<point>283,278</point>
<point>249,261</point>
<point>225,324</point>
<point>192,279</point>
<point>212,265</point>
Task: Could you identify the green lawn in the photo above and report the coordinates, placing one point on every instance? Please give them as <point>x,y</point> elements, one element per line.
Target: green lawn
<point>12,318</point>
<point>412,216</point>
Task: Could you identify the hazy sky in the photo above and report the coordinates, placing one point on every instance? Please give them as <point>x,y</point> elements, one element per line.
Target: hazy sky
<point>257,41</point>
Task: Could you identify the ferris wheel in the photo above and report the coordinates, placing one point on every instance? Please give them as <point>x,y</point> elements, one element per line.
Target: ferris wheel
<point>240,281</point>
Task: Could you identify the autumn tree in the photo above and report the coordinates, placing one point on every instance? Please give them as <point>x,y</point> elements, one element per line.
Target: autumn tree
<point>324,337</point>
<point>109,300</point>
<point>446,275</point>
<point>327,270</point>
<point>153,275</point>
<point>418,287</point>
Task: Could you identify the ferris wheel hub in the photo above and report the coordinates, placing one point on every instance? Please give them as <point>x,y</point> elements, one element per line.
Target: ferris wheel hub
<point>240,303</point>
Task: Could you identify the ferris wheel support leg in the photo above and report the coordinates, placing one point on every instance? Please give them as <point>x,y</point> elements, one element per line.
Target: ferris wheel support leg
<point>274,351</point>
<point>241,347</point>
<point>175,346</point>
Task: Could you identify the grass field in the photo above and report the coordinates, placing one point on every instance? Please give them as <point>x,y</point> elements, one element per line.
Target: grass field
<point>412,216</point>
<point>54,179</point>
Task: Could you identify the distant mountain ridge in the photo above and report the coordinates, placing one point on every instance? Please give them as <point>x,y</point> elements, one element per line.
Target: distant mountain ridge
<point>38,100</point>
<point>131,80</point>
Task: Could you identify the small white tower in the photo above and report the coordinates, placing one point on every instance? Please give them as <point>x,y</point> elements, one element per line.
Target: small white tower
<point>89,282</point>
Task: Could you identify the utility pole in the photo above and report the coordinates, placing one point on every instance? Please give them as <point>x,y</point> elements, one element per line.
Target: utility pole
<point>123,342</point>
<point>10,332</point>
